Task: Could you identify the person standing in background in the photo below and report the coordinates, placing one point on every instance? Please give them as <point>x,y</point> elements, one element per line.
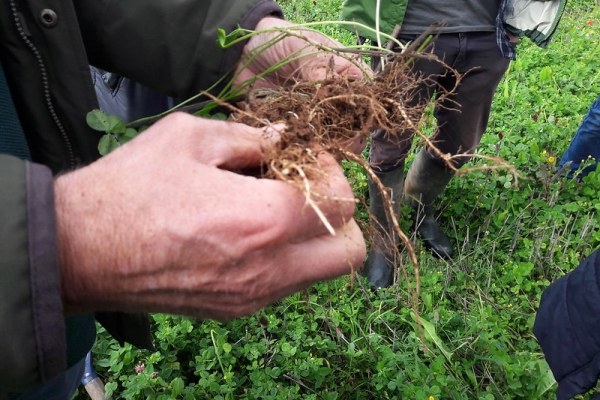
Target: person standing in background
<point>475,41</point>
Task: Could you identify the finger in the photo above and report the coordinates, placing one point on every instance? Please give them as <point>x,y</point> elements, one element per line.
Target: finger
<point>226,145</point>
<point>290,269</point>
<point>327,257</point>
<point>233,146</point>
<point>295,211</point>
<point>331,194</point>
<point>317,65</point>
<point>349,69</point>
<point>302,264</point>
<point>308,209</point>
<point>323,65</point>
<point>239,146</point>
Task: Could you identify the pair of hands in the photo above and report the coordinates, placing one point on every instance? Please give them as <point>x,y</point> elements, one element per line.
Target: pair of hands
<point>163,225</point>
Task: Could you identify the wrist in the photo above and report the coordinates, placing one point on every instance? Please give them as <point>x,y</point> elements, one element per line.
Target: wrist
<point>77,239</point>
<point>66,258</point>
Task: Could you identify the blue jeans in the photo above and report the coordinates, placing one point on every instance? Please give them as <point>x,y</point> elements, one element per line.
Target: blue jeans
<point>61,387</point>
<point>585,144</point>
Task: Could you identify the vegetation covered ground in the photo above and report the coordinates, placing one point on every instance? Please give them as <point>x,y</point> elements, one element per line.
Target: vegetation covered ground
<point>339,340</point>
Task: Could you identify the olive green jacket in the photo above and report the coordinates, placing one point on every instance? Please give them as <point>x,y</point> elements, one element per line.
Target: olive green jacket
<point>363,12</point>
<point>46,47</point>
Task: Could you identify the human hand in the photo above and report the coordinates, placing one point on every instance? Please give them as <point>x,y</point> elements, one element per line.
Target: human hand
<point>512,38</point>
<point>312,67</point>
<point>162,225</point>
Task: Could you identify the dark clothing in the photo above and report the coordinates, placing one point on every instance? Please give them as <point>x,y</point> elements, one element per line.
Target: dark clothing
<point>465,18</point>
<point>168,46</point>
<point>585,145</point>
<point>46,48</point>
<point>463,117</point>
<point>127,99</point>
<point>534,19</point>
<point>12,139</point>
<point>468,45</point>
<point>60,387</point>
<point>567,326</point>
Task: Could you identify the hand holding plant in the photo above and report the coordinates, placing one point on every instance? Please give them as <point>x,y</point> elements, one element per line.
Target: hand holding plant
<point>162,225</point>
<point>304,61</point>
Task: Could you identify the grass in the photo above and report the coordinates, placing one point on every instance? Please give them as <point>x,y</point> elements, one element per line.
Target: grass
<point>339,341</point>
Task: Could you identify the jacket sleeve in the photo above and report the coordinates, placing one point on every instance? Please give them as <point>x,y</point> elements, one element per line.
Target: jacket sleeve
<point>32,327</point>
<point>170,46</point>
<point>567,326</point>
<point>364,12</point>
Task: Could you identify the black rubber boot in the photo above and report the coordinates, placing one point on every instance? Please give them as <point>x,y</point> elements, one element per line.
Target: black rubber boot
<point>379,266</point>
<point>424,182</point>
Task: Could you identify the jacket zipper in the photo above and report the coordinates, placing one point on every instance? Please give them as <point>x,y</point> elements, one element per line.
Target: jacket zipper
<point>46,84</point>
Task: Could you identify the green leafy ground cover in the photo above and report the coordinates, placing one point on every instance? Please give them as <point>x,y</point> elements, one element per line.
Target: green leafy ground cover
<point>338,341</point>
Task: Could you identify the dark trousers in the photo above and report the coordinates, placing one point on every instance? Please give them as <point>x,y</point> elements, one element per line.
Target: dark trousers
<point>463,116</point>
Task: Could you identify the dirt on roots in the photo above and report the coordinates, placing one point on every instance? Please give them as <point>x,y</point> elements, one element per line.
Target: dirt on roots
<point>332,115</point>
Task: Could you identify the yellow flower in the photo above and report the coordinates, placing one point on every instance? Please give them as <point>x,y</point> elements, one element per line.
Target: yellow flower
<point>431,398</point>
<point>551,159</point>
